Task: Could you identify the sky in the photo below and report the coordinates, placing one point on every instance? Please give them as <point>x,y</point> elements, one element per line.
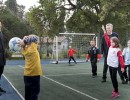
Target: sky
<point>26,3</point>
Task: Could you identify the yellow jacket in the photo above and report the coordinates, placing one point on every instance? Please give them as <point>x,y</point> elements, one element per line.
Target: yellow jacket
<point>32,60</point>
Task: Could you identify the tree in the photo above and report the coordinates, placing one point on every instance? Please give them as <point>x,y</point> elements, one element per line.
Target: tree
<point>47,19</point>
<point>12,26</point>
<point>12,5</point>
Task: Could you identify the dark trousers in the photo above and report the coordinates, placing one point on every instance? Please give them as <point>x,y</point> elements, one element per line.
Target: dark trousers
<point>113,75</point>
<point>1,70</point>
<point>125,72</point>
<point>32,87</point>
<point>73,59</point>
<point>105,68</point>
<point>94,67</point>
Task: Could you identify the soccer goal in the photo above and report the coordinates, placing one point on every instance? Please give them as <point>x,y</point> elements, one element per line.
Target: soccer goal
<point>78,41</point>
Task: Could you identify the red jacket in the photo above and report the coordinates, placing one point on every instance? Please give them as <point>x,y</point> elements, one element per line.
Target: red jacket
<point>71,52</point>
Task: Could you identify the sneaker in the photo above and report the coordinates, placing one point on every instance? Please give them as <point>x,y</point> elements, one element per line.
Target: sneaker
<point>93,76</point>
<point>113,91</point>
<point>126,81</point>
<point>103,80</point>
<point>123,82</point>
<point>2,90</point>
<point>115,95</point>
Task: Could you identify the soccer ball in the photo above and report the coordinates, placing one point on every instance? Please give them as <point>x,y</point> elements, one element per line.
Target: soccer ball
<point>13,44</point>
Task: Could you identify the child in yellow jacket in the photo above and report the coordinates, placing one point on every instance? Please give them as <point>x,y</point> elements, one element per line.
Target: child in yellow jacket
<point>32,69</point>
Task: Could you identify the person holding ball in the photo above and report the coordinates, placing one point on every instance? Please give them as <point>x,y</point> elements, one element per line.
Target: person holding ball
<point>32,69</point>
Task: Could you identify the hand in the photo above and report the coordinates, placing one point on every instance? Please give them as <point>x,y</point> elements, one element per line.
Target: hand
<point>98,60</point>
<point>122,69</point>
<point>25,37</point>
<point>103,28</point>
<point>86,60</point>
<point>101,55</point>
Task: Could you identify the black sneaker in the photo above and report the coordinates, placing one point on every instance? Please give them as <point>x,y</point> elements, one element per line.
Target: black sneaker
<point>103,80</point>
<point>2,90</point>
<point>124,82</point>
<point>94,76</point>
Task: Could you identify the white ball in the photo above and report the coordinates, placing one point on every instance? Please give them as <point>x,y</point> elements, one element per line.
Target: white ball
<point>13,44</point>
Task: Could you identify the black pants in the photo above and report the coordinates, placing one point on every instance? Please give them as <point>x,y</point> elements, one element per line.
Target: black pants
<point>105,68</point>
<point>1,70</point>
<point>32,87</point>
<point>73,59</point>
<point>94,67</point>
<point>125,72</point>
<point>113,75</point>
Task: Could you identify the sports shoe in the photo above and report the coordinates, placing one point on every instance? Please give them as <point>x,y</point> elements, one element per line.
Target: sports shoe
<point>123,82</point>
<point>94,76</point>
<point>113,91</point>
<point>115,95</point>
<point>126,81</point>
<point>2,90</point>
<point>103,80</point>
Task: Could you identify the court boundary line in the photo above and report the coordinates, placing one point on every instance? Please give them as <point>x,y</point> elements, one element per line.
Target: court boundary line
<point>20,95</point>
<point>61,84</point>
<point>69,87</point>
<point>71,74</point>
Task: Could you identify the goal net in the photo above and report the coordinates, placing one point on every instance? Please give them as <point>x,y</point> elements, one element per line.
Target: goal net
<point>78,41</point>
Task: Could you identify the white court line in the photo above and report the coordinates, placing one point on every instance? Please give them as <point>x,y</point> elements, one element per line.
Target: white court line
<point>70,88</point>
<point>73,74</point>
<point>14,88</point>
<point>68,74</point>
<point>67,86</point>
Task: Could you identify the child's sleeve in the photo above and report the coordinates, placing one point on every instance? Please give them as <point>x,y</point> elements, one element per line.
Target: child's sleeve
<point>88,55</point>
<point>98,54</point>
<point>107,39</point>
<point>120,59</point>
<point>74,50</point>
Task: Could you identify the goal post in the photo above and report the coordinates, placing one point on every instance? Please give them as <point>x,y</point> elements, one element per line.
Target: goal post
<point>78,41</point>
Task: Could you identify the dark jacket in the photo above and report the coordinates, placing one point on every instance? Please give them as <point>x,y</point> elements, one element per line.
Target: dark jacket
<point>104,47</point>
<point>93,54</point>
<point>2,51</point>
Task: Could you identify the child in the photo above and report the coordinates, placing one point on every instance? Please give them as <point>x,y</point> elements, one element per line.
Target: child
<point>71,51</point>
<point>94,55</point>
<point>126,56</point>
<point>113,60</point>
<point>32,69</point>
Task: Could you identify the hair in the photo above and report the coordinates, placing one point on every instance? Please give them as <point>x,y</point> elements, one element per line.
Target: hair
<point>116,41</point>
<point>109,24</point>
<point>93,40</point>
<point>31,38</point>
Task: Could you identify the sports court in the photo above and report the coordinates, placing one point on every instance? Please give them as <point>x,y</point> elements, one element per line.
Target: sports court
<point>68,82</point>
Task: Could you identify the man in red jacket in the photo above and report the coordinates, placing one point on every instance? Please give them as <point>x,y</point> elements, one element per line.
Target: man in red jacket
<point>71,51</point>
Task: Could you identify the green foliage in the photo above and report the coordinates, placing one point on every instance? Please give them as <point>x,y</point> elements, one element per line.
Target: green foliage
<point>8,54</point>
<point>12,5</point>
<point>12,26</point>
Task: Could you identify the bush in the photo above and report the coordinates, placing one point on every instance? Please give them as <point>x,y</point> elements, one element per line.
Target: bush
<point>8,54</point>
